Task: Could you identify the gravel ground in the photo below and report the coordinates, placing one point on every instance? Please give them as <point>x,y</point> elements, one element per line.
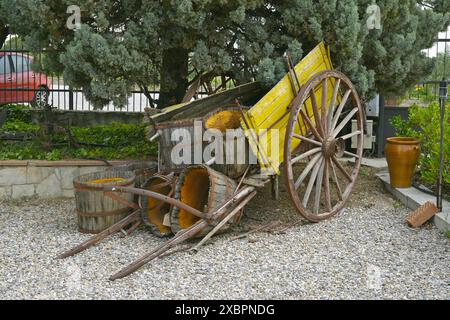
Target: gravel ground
<point>366,252</point>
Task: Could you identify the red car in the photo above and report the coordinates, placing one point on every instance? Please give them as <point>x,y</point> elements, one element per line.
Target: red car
<point>19,84</point>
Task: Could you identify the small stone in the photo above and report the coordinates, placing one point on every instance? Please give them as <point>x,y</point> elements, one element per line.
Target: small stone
<point>366,253</point>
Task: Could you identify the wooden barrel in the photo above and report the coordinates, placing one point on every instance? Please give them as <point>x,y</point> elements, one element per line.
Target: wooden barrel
<point>142,169</point>
<point>223,119</point>
<point>186,129</point>
<point>203,189</point>
<point>156,213</point>
<point>95,211</point>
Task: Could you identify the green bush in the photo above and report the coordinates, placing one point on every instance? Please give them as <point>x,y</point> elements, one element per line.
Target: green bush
<point>17,113</point>
<point>113,141</point>
<point>424,123</point>
<point>19,126</point>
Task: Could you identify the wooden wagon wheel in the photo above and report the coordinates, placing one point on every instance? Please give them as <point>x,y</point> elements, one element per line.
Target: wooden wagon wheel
<point>322,175</point>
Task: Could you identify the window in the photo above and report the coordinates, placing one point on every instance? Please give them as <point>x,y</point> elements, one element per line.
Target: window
<point>5,66</point>
<point>20,63</point>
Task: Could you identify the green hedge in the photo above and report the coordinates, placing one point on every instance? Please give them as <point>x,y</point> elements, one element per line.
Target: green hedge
<point>118,140</point>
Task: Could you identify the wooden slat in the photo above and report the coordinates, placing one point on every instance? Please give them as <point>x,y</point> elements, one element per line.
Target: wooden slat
<point>246,93</point>
<point>257,183</point>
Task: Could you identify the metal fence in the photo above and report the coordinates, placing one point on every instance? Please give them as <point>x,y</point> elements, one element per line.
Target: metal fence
<point>428,89</point>
<point>19,84</point>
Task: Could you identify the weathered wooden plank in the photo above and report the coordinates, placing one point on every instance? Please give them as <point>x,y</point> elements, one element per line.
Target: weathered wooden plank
<point>248,94</point>
<point>257,183</point>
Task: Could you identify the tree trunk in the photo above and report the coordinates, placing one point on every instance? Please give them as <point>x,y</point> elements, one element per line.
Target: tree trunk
<point>174,73</point>
<point>4,32</point>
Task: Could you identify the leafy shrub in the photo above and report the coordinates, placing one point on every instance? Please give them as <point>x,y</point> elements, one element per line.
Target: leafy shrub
<point>19,126</point>
<point>113,134</point>
<point>424,123</point>
<point>402,127</point>
<point>17,113</point>
<point>113,141</point>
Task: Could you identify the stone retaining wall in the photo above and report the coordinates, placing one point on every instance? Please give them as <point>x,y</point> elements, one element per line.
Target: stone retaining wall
<point>90,118</point>
<point>44,179</point>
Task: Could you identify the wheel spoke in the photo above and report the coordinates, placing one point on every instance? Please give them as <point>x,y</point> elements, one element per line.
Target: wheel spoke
<point>312,179</point>
<point>315,142</point>
<point>307,169</point>
<point>306,154</point>
<point>315,108</point>
<point>318,188</point>
<point>348,153</point>
<point>339,110</point>
<point>300,126</point>
<point>324,106</point>
<point>327,185</point>
<point>335,180</point>
<point>341,168</point>
<point>333,102</point>
<point>351,134</point>
<point>344,122</point>
<point>311,126</point>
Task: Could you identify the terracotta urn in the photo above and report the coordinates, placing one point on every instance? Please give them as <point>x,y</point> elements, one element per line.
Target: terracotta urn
<point>402,154</point>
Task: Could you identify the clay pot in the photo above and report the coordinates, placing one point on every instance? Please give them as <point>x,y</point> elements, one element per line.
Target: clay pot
<point>402,154</point>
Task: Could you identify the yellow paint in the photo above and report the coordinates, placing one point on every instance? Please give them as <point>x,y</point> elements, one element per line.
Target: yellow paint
<point>274,105</point>
<point>194,193</point>
<point>223,120</point>
<point>157,209</point>
<point>106,180</point>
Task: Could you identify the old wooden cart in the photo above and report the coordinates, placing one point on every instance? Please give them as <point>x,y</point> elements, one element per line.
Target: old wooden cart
<point>310,110</point>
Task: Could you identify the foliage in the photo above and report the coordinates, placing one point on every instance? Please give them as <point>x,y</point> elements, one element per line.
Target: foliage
<point>17,113</point>
<point>402,127</point>
<point>423,123</point>
<point>425,93</point>
<point>122,44</point>
<point>114,134</point>
<point>19,126</point>
<point>442,65</point>
<point>113,141</point>
<point>21,150</point>
<point>14,43</point>
<point>429,92</point>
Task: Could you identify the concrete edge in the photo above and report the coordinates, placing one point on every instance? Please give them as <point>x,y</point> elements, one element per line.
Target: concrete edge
<point>414,198</point>
<point>377,163</point>
<point>61,163</point>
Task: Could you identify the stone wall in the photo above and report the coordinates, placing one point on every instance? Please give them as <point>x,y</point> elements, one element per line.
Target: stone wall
<point>44,179</point>
<point>90,118</point>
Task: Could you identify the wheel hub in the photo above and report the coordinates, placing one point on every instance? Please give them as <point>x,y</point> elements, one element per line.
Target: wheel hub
<point>329,147</point>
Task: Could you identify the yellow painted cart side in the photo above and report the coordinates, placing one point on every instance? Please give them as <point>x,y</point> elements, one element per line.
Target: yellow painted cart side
<point>273,111</point>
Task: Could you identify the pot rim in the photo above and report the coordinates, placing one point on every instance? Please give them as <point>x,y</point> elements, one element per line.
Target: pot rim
<point>403,140</point>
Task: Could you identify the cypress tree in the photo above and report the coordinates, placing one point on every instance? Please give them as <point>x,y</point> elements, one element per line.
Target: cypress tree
<point>123,44</point>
